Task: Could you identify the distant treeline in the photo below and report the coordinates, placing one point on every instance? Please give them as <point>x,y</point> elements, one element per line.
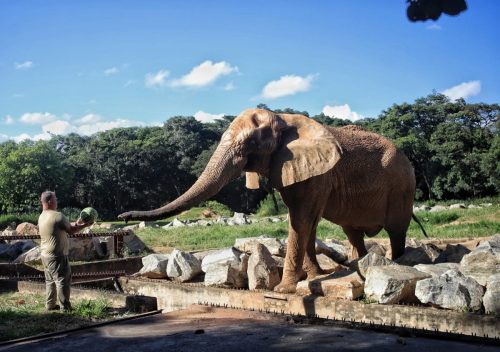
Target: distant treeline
<point>454,148</point>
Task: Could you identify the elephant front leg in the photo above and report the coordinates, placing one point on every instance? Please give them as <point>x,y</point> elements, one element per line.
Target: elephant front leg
<point>292,271</point>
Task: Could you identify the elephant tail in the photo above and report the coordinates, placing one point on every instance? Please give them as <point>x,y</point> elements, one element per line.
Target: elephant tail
<point>419,224</point>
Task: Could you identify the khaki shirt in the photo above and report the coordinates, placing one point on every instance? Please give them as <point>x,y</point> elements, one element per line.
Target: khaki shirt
<point>53,227</point>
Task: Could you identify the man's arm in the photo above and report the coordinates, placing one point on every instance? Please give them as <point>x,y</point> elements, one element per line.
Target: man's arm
<point>77,226</point>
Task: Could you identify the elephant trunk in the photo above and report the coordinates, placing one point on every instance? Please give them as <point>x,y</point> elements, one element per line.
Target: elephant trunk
<point>223,167</point>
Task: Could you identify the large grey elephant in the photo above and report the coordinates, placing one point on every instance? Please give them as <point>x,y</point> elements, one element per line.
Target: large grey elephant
<point>354,178</point>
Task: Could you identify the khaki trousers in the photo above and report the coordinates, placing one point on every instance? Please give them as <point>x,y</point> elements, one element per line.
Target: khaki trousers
<point>57,281</point>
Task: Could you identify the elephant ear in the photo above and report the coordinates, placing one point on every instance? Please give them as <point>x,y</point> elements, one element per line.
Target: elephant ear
<point>252,180</point>
<point>307,149</point>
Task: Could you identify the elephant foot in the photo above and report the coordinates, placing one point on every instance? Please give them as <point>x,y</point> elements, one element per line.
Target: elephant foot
<point>311,274</point>
<point>289,281</point>
<point>286,288</point>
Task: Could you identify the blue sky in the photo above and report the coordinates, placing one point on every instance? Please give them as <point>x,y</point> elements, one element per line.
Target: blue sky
<point>86,66</point>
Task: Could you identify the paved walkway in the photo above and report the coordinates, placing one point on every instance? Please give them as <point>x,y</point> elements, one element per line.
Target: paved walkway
<point>203,329</point>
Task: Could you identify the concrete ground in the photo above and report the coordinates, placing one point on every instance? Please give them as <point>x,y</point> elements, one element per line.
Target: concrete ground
<point>207,329</point>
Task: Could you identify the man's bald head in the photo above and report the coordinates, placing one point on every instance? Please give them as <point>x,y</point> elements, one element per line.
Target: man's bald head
<point>48,200</point>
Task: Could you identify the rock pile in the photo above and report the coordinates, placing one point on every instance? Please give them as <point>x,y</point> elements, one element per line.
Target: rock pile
<point>454,278</point>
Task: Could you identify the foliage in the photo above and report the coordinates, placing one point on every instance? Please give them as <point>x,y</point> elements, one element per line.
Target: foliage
<point>15,219</point>
<point>267,206</point>
<point>454,148</point>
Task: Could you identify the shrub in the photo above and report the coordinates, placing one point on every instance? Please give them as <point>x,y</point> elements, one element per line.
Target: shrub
<point>15,219</point>
<point>267,206</point>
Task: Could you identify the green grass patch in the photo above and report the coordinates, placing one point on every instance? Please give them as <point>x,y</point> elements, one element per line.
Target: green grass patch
<point>446,224</point>
<point>24,315</point>
<point>15,219</point>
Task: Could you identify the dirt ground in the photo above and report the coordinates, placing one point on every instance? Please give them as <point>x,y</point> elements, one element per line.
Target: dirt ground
<point>205,329</point>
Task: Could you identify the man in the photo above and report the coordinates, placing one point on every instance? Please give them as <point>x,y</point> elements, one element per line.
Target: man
<point>54,229</point>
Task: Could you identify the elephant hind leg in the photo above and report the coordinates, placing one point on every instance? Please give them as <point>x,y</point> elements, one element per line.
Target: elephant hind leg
<point>311,265</point>
<point>356,239</point>
<point>397,235</point>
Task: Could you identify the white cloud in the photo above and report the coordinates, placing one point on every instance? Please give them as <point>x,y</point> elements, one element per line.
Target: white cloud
<point>89,118</point>
<point>434,27</point>
<point>287,85</point>
<point>111,71</point>
<point>463,90</point>
<point>58,127</point>
<point>204,74</point>
<point>341,112</point>
<point>8,120</point>
<point>37,118</point>
<point>156,79</point>
<point>24,65</point>
<point>229,86</point>
<point>88,129</point>
<point>204,117</point>
<point>21,137</point>
<point>3,138</point>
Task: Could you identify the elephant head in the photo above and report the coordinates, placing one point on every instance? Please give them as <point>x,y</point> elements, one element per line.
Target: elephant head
<point>285,148</point>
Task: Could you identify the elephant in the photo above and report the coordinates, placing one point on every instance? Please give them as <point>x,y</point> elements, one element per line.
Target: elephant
<point>351,177</point>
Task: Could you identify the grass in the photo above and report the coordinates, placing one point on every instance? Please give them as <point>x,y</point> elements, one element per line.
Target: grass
<point>24,315</point>
<point>445,224</point>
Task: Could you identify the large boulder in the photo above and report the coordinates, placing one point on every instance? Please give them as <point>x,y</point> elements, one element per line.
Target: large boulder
<point>369,260</point>
<point>483,261</point>
<point>418,253</point>
<point>374,247</point>
<point>248,245</point>
<point>227,267</point>
<point>132,243</point>
<point>34,255</point>
<point>339,248</point>
<point>262,270</point>
<point>26,228</point>
<point>240,219</point>
<point>491,299</point>
<point>344,284</point>
<point>81,249</point>
<point>10,251</point>
<point>452,290</point>
<point>452,254</point>
<point>154,266</point>
<point>334,251</point>
<point>328,264</point>
<point>392,284</point>
<point>182,266</point>
<point>436,270</point>
<point>9,231</point>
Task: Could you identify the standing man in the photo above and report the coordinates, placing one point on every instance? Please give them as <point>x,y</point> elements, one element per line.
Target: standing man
<point>54,228</point>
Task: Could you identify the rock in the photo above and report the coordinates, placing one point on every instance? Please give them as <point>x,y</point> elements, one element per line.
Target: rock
<point>131,227</point>
<point>101,246</point>
<point>145,224</point>
<point>10,251</point>
<point>458,206</point>
<point>370,260</point>
<point>275,220</point>
<point>335,251</point>
<point>473,206</point>
<point>274,245</point>
<point>81,249</point>
<point>392,284</point>
<point>240,219</point>
<point>133,244</point>
<point>221,256</point>
<point>452,290</point>
<point>208,213</point>
<point>222,220</point>
<point>483,261</point>
<point>9,231</point>
<point>177,223</point>
<point>438,208</point>
<point>182,266</point>
<point>262,270</point>
<point>107,226</point>
<point>374,247</point>
<point>280,263</point>
<point>154,266</point>
<point>452,254</point>
<point>202,254</point>
<point>338,247</point>
<point>491,299</point>
<point>328,264</point>
<point>26,228</point>
<point>34,255</point>
<point>204,223</point>
<point>436,270</point>
<point>486,205</point>
<point>423,254</point>
<point>344,284</point>
<point>226,269</point>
